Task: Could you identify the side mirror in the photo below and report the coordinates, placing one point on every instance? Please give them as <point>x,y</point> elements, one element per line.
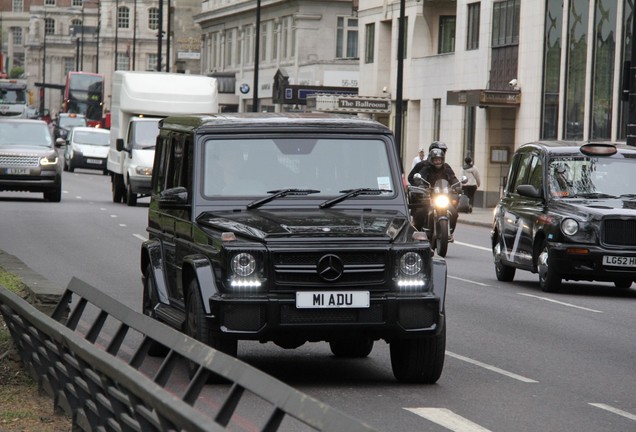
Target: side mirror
<point>60,142</point>
<point>174,198</point>
<point>119,144</point>
<point>530,191</point>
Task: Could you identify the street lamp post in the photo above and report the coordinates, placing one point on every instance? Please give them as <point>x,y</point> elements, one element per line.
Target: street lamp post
<point>257,44</point>
<point>82,50</point>
<point>399,108</point>
<point>43,67</point>
<point>160,35</point>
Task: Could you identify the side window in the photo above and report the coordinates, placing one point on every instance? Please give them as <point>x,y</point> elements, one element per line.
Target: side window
<point>173,173</point>
<point>523,168</point>
<point>536,175</point>
<point>160,163</point>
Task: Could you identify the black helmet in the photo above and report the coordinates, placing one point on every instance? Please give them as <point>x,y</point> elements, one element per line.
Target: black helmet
<point>436,153</point>
<point>439,145</point>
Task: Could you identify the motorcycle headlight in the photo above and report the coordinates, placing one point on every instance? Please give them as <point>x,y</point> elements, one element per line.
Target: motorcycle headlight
<point>441,201</point>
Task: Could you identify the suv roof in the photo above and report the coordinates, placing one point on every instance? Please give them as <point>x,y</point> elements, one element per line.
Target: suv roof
<point>573,147</point>
<point>339,122</point>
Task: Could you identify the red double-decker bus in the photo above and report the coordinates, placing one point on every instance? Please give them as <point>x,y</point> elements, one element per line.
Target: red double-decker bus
<point>84,94</point>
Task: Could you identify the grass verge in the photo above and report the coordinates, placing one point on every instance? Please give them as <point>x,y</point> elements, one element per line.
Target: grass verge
<point>22,407</point>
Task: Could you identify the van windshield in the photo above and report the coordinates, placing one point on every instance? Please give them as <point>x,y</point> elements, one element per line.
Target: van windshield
<point>252,167</point>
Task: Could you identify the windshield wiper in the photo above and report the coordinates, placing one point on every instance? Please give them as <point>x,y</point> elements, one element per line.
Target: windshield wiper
<point>594,195</point>
<point>348,193</point>
<point>627,196</point>
<point>279,193</point>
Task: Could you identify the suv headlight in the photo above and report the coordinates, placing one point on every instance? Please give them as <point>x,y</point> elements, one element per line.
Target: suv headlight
<point>48,160</point>
<point>411,271</point>
<point>245,271</point>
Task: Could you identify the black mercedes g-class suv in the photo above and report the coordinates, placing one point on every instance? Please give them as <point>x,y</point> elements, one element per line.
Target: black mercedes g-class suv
<point>291,228</point>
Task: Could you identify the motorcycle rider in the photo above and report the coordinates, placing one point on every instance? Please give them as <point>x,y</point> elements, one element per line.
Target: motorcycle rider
<point>418,166</point>
<point>438,169</point>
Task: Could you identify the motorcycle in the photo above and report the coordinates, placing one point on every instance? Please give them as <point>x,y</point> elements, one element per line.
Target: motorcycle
<point>432,213</point>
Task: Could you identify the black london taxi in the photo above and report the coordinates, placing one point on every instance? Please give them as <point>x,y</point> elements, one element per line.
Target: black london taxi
<point>568,212</point>
<point>291,228</point>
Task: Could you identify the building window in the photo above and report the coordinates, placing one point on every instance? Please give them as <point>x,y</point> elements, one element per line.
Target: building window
<point>628,16</point>
<point>68,64</point>
<point>123,17</point>
<point>576,76</point>
<point>153,18</point>
<point>263,43</point>
<point>49,2</point>
<point>248,45</point>
<point>472,33</point>
<point>49,26</point>
<point>603,69</point>
<point>17,35</point>
<point>123,61</point>
<point>347,38</point>
<point>551,68</point>
<point>287,38</point>
<point>230,37</point>
<point>18,5</point>
<point>437,115</point>
<point>446,43</point>
<point>18,59</point>
<point>151,62</point>
<point>215,51</point>
<point>77,3</point>
<point>369,43</point>
<point>76,26</point>
<point>505,23</point>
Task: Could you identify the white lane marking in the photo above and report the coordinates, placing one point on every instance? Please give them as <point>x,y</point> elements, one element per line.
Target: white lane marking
<point>561,303</point>
<point>123,225</point>
<point>467,280</point>
<point>140,237</point>
<point>491,368</point>
<point>614,410</point>
<point>448,419</point>
<point>472,246</point>
<point>78,197</point>
<point>113,216</point>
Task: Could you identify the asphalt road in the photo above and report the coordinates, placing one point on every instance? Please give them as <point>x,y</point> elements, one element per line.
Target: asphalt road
<point>517,359</point>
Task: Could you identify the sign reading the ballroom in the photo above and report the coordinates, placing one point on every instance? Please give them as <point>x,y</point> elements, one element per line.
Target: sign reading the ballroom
<point>364,104</point>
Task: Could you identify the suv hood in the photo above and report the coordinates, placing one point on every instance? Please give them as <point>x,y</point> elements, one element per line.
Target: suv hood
<point>259,224</point>
<point>596,208</point>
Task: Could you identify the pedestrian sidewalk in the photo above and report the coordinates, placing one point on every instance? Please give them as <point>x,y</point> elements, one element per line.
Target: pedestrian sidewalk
<point>480,216</point>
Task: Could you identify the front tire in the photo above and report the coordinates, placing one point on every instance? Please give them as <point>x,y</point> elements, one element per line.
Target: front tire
<point>419,360</point>
<point>118,188</point>
<point>503,272</point>
<point>441,237</point>
<point>198,327</point>
<point>623,283</point>
<point>131,197</point>
<point>150,299</point>
<point>549,278</point>
<point>352,348</point>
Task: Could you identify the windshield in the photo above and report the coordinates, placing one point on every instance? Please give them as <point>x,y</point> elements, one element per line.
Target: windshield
<point>12,96</point>
<point>588,177</point>
<point>67,121</point>
<point>143,134</point>
<point>327,167</point>
<point>32,134</point>
<point>96,137</point>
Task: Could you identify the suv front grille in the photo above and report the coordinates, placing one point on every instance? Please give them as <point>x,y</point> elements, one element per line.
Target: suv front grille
<point>11,160</point>
<point>619,232</point>
<point>350,268</point>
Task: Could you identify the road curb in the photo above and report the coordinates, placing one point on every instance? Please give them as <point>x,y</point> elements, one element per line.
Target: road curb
<point>41,292</point>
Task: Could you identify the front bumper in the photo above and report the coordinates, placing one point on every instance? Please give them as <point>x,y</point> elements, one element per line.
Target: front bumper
<point>585,262</point>
<point>270,318</point>
<point>140,185</point>
<point>81,161</point>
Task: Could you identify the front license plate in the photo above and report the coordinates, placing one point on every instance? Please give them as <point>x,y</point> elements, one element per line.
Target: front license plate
<point>18,171</point>
<point>94,161</point>
<point>619,261</point>
<point>332,299</point>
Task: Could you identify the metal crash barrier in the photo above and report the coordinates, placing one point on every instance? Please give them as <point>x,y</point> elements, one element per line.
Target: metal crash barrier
<point>81,356</point>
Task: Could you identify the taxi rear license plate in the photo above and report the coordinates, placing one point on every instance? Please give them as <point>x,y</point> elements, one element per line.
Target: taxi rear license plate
<point>332,299</point>
<point>619,261</point>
